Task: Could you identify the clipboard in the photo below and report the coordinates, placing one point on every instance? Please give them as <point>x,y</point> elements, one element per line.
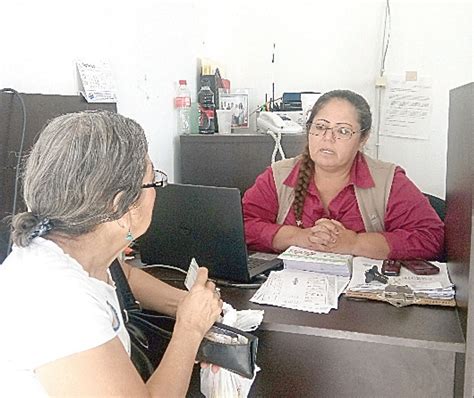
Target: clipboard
<point>400,300</point>
<point>405,289</point>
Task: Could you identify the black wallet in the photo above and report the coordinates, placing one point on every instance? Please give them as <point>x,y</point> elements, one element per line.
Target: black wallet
<point>150,332</point>
<point>230,348</point>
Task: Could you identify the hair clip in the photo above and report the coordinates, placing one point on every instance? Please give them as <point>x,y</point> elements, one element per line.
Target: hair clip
<point>42,228</point>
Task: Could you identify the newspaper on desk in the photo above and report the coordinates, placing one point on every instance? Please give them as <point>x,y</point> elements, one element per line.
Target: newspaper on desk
<point>424,289</point>
<point>301,290</point>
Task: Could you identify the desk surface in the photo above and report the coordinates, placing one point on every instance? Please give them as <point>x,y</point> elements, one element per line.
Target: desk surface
<point>427,327</point>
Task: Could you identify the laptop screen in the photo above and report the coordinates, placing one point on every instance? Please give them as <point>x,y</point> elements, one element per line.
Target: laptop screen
<point>197,221</point>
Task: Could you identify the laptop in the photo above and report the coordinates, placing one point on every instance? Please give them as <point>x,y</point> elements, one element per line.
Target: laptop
<point>206,223</point>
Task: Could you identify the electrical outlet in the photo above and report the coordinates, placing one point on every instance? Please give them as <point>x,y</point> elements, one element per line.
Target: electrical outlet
<point>380,81</point>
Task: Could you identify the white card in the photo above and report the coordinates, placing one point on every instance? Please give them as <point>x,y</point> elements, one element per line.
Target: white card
<point>192,274</point>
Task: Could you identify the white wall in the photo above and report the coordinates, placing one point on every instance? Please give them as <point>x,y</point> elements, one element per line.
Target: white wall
<point>149,44</point>
<point>320,45</point>
<point>438,44</point>
<point>323,45</point>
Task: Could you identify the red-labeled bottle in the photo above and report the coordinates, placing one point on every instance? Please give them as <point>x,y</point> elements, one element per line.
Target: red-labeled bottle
<point>182,103</point>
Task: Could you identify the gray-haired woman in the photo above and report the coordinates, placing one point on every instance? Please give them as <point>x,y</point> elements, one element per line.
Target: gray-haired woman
<point>87,187</point>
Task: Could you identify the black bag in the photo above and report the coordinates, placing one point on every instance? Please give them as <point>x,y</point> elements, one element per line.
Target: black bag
<point>151,332</point>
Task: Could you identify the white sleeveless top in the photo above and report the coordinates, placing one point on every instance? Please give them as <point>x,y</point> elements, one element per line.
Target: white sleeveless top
<point>50,308</point>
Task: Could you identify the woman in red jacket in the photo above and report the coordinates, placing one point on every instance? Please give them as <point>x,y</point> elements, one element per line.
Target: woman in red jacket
<point>334,198</point>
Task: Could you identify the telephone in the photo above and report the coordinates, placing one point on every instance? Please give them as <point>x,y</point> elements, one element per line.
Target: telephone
<point>277,124</point>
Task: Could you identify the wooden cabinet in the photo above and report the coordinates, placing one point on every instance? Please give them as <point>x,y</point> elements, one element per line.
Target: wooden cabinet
<point>232,160</point>
<point>459,219</point>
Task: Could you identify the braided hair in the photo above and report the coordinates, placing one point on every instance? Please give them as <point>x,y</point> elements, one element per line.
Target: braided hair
<point>304,176</point>
<point>306,171</point>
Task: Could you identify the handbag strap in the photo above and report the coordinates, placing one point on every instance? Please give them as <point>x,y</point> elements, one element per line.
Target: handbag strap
<point>127,300</point>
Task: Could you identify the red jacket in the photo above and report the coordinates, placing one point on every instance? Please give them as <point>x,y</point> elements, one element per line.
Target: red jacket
<point>412,227</point>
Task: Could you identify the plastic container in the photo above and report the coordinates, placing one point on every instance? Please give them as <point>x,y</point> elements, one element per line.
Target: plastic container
<point>224,121</point>
<point>207,124</point>
<point>182,103</point>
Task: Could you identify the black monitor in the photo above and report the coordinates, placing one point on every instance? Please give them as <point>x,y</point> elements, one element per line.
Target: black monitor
<point>39,109</point>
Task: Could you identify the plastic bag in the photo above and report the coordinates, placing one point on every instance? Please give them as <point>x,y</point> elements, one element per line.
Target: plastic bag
<point>224,383</point>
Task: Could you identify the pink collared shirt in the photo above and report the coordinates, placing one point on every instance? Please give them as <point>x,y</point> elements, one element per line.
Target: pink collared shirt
<point>412,227</point>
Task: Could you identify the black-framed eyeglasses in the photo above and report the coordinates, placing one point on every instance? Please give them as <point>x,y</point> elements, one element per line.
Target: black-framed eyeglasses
<point>339,131</point>
<point>160,180</point>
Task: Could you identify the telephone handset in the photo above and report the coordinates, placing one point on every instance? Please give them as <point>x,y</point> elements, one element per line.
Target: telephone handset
<point>277,124</point>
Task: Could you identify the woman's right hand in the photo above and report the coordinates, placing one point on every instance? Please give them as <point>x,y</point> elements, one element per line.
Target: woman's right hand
<point>201,307</point>
<point>324,233</point>
<point>321,236</point>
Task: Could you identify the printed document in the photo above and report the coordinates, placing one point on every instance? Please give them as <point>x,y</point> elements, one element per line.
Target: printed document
<point>301,290</point>
<point>406,110</point>
<point>97,82</point>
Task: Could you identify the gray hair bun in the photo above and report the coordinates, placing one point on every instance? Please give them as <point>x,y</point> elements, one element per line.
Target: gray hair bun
<point>27,226</point>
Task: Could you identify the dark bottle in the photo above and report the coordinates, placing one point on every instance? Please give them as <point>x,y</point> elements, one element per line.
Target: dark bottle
<point>207,107</point>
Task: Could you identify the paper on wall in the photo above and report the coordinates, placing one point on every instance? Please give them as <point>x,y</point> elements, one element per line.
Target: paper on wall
<point>407,107</point>
<point>97,84</point>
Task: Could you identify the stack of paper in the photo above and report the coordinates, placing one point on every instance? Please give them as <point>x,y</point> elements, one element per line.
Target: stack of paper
<point>437,287</point>
<point>300,290</point>
<point>310,260</point>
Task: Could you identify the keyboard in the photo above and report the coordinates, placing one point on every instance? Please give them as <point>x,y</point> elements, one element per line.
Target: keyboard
<point>253,262</point>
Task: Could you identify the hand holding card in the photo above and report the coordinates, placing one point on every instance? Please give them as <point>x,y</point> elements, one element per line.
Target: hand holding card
<point>192,274</point>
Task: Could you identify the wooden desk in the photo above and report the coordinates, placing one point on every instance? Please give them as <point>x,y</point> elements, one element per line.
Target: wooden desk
<point>363,349</point>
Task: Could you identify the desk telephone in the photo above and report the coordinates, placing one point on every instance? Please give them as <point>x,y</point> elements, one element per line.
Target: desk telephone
<point>277,124</point>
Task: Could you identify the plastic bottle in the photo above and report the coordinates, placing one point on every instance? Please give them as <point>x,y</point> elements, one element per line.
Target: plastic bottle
<point>182,103</point>
<point>206,111</point>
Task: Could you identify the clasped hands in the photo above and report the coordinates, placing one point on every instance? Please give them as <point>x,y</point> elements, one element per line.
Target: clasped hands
<point>330,236</point>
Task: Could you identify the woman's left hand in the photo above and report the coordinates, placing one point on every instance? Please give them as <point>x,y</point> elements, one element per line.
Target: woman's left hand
<point>324,233</point>
<point>341,240</point>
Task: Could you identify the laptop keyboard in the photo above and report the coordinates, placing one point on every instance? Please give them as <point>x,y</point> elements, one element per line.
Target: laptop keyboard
<point>253,262</point>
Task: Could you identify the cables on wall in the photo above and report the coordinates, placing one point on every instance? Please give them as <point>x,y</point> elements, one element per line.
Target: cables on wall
<point>386,36</point>
<point>19,154</point>
<point>381,81</point>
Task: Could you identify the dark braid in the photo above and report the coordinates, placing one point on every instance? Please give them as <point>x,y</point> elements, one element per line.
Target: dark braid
<point>306,171</point>
<point>304,176</point>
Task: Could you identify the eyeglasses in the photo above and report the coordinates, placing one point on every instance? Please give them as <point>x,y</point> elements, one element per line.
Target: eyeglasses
<point>160,180</point>
<point>339,132</point>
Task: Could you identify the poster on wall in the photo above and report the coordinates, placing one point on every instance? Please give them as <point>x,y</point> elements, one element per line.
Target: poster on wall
<point>406,107</point>
<point>96,82</point>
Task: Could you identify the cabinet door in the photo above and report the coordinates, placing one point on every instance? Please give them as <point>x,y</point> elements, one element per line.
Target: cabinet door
<point>231,160</point>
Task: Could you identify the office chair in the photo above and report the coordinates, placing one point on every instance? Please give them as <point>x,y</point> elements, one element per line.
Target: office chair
<point>440,207</point>
<point>4,239</point>
<point>438,204</point>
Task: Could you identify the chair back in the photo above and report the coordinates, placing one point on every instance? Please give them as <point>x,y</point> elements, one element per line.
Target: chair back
<point>438,204</point>
<point>440,207</point>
